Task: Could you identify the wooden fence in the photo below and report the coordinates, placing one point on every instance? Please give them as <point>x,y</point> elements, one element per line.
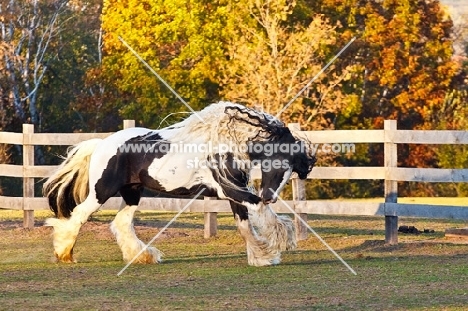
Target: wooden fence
<point>390,173</point>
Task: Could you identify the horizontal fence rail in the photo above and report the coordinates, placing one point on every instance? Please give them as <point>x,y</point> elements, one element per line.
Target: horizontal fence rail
<point>390,173</point>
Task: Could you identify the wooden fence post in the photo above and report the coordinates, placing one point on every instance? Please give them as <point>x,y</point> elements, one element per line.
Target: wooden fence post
<point>299,194</point>
<point>128,124</point>
<point>391,186</point>
<point>28,182</point>
<point>210,221</point>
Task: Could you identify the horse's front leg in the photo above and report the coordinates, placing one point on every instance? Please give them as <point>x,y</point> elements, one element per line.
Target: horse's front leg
<point>259,250</point>
<point>277,229</point>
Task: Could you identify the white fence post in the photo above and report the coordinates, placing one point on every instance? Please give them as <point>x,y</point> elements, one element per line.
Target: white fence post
<point>391,186</point>
<point>210,221</point>
<point>299,194</point>
<point>128,124</point>
<point>28,182</point>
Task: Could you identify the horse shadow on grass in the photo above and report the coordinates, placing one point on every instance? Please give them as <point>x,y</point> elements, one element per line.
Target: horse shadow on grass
<point>160,219</point>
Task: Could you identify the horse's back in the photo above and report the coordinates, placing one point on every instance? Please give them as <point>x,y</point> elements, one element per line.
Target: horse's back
<point>125,135</point>
<point>111,146</point>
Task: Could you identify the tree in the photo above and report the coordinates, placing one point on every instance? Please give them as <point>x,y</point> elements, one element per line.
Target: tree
<point>6,52</point>
<point>182,40</point>
<point>200,48</point>
<point>454,116</point>
<point>30,29</point>
<point>256,52</point>
<point>273,55</point>
<point>403,69</point>
<point>404,52</point>
<point>44,54</point>
<point>74,94</point>
<point>5,116</point>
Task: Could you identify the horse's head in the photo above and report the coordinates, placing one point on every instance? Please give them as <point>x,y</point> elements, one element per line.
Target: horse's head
<point>303,160</point>
<point>278,159</point>
<point>271,145</point>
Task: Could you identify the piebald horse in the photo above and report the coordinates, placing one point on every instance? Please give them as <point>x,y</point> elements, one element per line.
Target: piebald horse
<point>213,150</point>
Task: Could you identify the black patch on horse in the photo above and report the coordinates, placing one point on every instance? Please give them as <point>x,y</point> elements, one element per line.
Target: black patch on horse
<point>227,174</point>
<point>188,192</point>
<point>68,203</point>
<point>240,210</point>
<point>130,169</point>
<point>127,172</point>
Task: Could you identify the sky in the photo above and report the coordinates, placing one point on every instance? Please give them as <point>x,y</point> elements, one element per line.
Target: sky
<point>459,12</point>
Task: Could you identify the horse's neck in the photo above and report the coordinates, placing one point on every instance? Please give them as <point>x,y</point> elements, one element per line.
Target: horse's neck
<point>216,134</point>
<point>170,133</point>
<point>190,132</point>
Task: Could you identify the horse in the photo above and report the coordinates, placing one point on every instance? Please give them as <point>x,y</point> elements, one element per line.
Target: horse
<point>211,152</point>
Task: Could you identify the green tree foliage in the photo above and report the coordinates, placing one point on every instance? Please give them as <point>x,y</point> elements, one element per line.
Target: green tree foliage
<point>182,40</point>
<point>6,108</point>
<point>29,30</point>
<point>75,98</point>
<point>454,116</point>
<point>45,50</point>
<point>76,76</point>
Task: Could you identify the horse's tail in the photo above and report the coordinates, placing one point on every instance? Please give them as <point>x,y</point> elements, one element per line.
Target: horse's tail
<point>68,186</point>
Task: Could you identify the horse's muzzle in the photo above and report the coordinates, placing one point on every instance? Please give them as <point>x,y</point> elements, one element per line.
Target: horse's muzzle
<point>269,200</point>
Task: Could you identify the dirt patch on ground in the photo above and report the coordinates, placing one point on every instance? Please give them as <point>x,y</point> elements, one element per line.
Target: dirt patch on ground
<point>100,230</point>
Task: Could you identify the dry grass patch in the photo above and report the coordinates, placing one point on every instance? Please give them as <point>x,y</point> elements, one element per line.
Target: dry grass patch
<point>423,272</point>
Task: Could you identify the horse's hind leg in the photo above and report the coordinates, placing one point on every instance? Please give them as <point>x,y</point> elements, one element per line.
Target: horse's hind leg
<point>66,230</point>
<point>122,228</point>
<point>277,229</point>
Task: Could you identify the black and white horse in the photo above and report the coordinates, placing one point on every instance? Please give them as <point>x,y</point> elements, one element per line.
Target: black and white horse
<point>213,150</point>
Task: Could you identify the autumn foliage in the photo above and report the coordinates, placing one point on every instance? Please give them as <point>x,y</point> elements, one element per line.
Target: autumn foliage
<point>260,53</point>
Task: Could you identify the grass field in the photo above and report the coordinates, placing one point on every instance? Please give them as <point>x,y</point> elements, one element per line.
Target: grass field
<point>423,272</point>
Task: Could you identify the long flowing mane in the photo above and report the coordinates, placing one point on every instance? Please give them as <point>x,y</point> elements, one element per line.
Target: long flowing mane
<point>228,123</point>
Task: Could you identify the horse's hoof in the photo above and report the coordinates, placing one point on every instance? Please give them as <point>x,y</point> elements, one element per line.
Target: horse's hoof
<point>65,258</point>
<point>258,262</point>
<point>150,256</point>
